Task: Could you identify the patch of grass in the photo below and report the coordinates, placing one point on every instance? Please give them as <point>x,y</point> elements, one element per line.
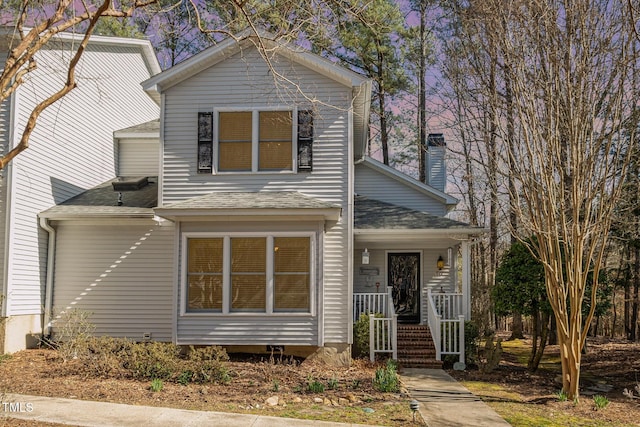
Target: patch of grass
<point>521,349</point>
<point>315,386</point>
<point>156,385</point>
<point>526,415</point>
<point>562,396</point>
<point>4,357</point>
<point>491,390</point>
<point>332,384</point>
<point>600,402</point>
<point>384,414</point>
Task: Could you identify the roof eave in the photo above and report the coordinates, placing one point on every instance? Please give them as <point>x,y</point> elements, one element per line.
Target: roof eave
<point>69,216</point>
<point>327,214</point>
<point>215,54</point>
<point>468,231</point>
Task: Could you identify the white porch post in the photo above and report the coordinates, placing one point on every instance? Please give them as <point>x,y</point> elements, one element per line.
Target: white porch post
<point>466,278</point>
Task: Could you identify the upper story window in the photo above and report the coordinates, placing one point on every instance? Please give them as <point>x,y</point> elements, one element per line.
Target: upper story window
<point>255,141</point>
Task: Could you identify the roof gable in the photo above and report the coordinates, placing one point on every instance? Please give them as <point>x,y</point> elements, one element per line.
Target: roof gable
<point>425,189</point>
<point>268,47</point>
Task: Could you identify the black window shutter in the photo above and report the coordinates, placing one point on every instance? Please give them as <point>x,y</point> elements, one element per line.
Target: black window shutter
<point>205,142</point>
<point>305,141</point>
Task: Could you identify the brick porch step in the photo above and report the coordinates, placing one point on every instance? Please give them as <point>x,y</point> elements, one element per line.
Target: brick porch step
<point>416,348</point>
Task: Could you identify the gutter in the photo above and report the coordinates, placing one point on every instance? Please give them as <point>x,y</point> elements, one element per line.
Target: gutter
<point>48,287</point>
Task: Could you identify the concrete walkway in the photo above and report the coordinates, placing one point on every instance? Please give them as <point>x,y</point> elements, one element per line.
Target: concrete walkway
<point>444,402</point>
<point>101,414</point>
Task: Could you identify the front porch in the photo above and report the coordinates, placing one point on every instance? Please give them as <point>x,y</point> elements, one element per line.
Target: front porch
<point>413,345</point>
<point>413,270</point>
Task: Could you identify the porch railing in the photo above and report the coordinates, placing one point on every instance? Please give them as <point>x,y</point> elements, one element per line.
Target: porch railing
<point>369,303</point>
<point>446,320</point>
<point>383,331</point>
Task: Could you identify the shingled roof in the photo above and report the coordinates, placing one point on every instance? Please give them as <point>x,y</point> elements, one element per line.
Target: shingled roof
<point>102,201</point>
<point>377,215</point>
<point>251,203</point>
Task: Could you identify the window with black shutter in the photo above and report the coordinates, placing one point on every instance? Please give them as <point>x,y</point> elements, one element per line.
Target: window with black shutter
<point>305,141</point>
<point>205,142</point>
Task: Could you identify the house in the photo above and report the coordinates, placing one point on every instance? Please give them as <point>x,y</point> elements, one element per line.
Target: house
<point>249,216</point>
<point>71,151</point>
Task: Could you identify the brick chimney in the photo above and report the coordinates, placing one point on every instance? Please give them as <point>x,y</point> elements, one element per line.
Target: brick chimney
<point>436,172</point>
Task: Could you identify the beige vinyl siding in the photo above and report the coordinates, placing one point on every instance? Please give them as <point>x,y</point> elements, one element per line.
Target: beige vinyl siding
<point>243,80</point>
<point>70,150</point>
<point>138,157</point>
<point>254,328</point>
<point>375,185</point>
<point>125,279</point>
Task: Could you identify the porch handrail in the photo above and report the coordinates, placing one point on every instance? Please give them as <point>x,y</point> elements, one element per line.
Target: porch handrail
<point>368,303</point>
<point>448,330</point>
<point>449,305</point>
<point>435,321</point>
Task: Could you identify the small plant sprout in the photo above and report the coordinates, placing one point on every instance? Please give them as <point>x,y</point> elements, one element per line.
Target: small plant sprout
<point>314,386</point>
<point>600,402</point>
<point>562,396</point>
<point>386,379</point>
<point>276,385</point>
<point>156,385</point>
<point>332,383</point>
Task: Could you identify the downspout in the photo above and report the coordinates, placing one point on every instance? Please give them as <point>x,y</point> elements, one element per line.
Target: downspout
<point>48,287</point>
<point>4,295</point>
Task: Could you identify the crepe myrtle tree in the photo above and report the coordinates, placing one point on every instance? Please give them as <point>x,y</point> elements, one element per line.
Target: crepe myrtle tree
<point>571,69</point>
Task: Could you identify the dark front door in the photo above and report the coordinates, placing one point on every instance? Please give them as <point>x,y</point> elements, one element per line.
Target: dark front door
<point>404,277</point>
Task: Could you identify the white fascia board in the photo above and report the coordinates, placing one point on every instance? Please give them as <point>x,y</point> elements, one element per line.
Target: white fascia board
<point>248,214</point>
<point>191,66</point>
<point>232,45</point>
<point>144,45</point>
<point>407,180</point>
<point>413,234</point>
<point>73,216</point>
<point>137,135</point>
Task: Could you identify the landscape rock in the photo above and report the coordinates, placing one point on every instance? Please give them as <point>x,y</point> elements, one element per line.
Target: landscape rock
<point>272,401</point>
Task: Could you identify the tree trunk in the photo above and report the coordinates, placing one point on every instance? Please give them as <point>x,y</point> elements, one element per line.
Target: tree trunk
<point>553,332</point>
<point>544,333</point>
<point>534,340</point>
<point>422,98</point>
<point>636,288</point>
<point>516,327</point>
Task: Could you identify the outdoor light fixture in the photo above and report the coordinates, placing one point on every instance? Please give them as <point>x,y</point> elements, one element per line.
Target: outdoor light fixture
<point>440,263</point>
<point>414,405</point>
<point>365,257</point>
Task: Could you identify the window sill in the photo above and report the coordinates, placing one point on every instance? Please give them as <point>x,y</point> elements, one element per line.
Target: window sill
<point>246,315</point>
<point>247,173</point>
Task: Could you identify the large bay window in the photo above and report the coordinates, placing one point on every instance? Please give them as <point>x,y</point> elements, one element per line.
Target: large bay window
<point>248,274</point>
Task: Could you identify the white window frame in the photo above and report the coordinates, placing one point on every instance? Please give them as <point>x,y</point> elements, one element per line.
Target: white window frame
<point>255,137</point>
<point>226,274</point>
